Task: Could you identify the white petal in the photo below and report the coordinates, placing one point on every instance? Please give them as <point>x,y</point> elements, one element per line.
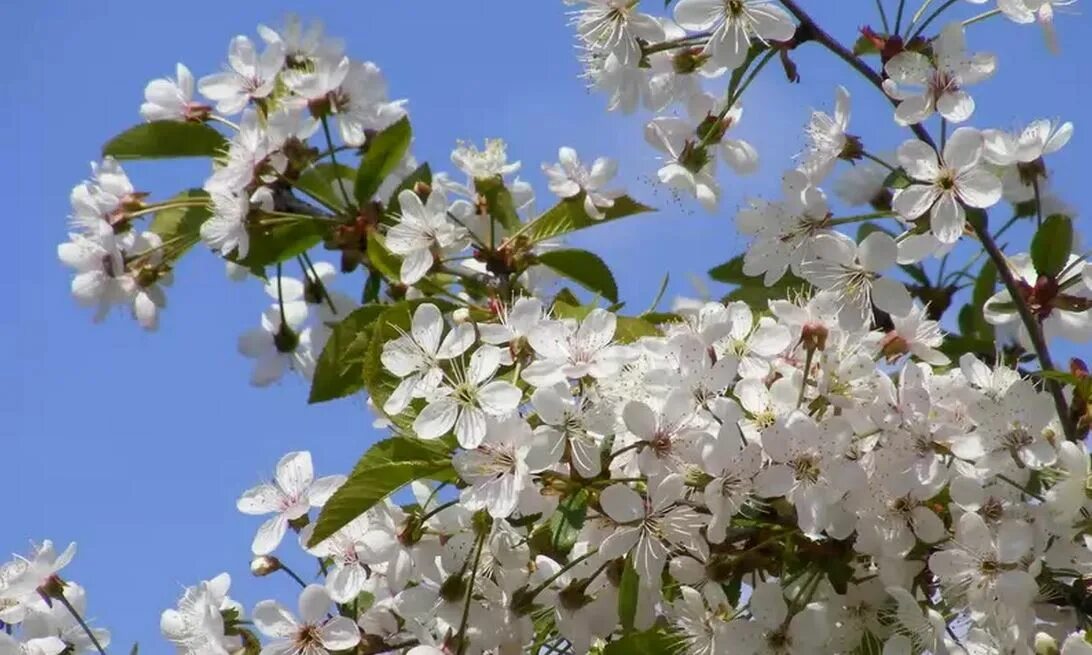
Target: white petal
<point>622,503</point>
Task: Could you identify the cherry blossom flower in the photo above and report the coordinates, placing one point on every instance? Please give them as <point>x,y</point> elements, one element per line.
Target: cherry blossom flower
<point>172,100</point>
<point>827,139</point>
<point>314,632</point>
<point>421,229</point>
<point>196,627</point>
<point>416,357</point>
<point>852,272</point>
<point>293,491</point>
<point>570,178</point>
<point>734,24</point>
<point>250,76</point>
<point>943,186</point>
<point>943,83</point>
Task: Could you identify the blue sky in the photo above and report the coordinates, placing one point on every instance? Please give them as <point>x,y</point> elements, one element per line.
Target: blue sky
<point>136,445</point>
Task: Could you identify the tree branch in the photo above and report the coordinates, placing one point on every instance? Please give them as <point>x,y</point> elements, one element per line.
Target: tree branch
<point>810,30</point>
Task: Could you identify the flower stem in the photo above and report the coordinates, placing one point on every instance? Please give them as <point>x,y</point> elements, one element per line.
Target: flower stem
<point>463,641</point>
<point>981,17</point>
<point>292,574</point>
<point>871,157</point>
<point>333,158</point>
<point>930,18</point>
<point>79,619</point>
<point>990,246</point>
<point>860,217</point>
<point>883,16</point>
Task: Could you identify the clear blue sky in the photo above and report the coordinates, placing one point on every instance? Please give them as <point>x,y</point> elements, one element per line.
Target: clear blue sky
<point>136,445</point>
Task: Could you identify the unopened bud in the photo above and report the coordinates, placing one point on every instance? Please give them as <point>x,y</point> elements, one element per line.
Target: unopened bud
<point>894,346</point>
<point>460,315</point>
<point>689,60</point>
<point>1046,645</point>
<point>264,565</point>
<point>422,189</point>
<point>814,336</point>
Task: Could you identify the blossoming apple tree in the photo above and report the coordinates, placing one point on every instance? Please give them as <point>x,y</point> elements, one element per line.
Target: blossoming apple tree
<point>811,464</point>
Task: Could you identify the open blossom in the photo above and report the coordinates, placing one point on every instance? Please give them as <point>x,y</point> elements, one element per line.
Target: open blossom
<point>416,357</point>
<point>301,43</point>
<point>852,272</point>
<point>497,469</point>
<point>484,164</point>
<point>421,229</point>
<point>734,24</point>
<point>615,26</point>
<point>315,632</point>
<point>293,491</point>
<point>249,76</point>
<point>923,86</point>
<point>569,178</point>
<point>827,138</point>
<point>650,528</point>
<point>707,111</point>
<point>784,231</point>
<point>1039,139</point>
<point>1061,313</point>
<point>172,100</point>
<point>1035,11</point>
<point>943,186</point>
<point>196,627</point>
<point>687,166</point>
<point>568,350</point>
<point>468,397</point>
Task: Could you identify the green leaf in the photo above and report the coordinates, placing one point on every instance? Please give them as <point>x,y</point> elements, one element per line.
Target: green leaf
<point>650,642</point>
<point>584,268</point>
<point>270,244</point>
<point>321,182</point>
<point>865,46</point>
<point>386,262</point>
<point>984,286</point>
<point>387,467</point>
<point>567,520</point>
<point>421,174</point>
<point>659,318</point>
<point>339,371</point>
<point>897,179</point>
<point>499,202</point>
<point>630,329</point>
<point>731,272</point>
<point>181,226</point>
<point>384,151</point>
<point>569,216</point>
<point>565,309</point>
<point>166,139</point>
<point>1051,245</point>
<point>627,596</point>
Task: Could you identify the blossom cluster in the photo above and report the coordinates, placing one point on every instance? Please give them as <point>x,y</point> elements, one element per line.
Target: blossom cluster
<point>809,465</point>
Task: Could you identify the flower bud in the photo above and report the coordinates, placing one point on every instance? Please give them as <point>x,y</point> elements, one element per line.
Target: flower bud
<point>1045,644</point>
<point>460,315</point>
<point>264,565</point>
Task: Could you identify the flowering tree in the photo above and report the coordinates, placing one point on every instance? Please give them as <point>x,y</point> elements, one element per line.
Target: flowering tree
<point>809,465</point>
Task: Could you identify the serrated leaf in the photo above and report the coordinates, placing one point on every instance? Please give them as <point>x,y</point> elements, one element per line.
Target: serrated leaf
<point>385,151</point>
<point>584,268</point>
<point>270,244</point>
<point>166,139</point>
<point>498,201</point>
<point>385,468</point>
<point>1051,245</point>
<point>322,182</point>
<point>339,370</point>
<point>627,596</point>
<point>569,216</point>
<point>181,226</point>
<point>567,520</point>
